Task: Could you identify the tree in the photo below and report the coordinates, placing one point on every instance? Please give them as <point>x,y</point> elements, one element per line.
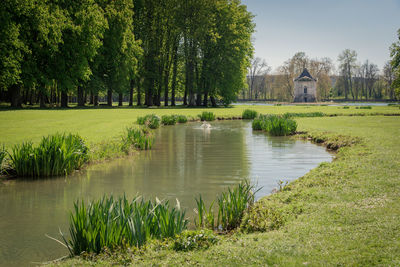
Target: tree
<point>395,62</point>
<point>347,67</point>
<point>258,68</point>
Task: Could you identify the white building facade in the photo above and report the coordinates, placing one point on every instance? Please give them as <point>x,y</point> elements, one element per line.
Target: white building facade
<point>305,88</point>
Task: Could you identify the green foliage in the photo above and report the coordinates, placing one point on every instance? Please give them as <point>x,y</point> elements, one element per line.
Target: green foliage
<point>231,208</point>
<point>152,121</point>
<point>181,118</point>
<point>346,107</point>
<point>304,114</point>
<point>275,124</point>
<point>139,137</point>
<point>169,119</point>
<point>111,223</point>
<point>57,154</point>
<point>207,116</point>
<point>364,107</point>
<point>249,114</point>
<point>3,154</point>
<point>190,240</point>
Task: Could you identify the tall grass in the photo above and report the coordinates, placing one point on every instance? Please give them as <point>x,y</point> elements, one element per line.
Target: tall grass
<point>275,124</point>
<point>138,137</point>
<point>249,114</point>
<point>169,119</point>
<point>181,118</point>
<point>303,115</point>
<point>3,154</point>
<point>57,154</point>
<point>111,223</point>
<point>152,121</point>
<point>231,208</point>
<point>206,116</point>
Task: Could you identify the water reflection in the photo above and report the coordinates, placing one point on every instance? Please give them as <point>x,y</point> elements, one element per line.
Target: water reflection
<point>186,160</point>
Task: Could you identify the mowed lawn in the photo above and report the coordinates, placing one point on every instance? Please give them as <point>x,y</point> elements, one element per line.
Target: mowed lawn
<point>98,125</point>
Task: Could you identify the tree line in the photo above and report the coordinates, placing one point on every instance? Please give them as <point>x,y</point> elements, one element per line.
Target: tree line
<point>149,51</point>
<point>351,80</point>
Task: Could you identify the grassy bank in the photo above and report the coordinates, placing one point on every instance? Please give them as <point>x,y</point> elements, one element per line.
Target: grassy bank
<point>341,213</point>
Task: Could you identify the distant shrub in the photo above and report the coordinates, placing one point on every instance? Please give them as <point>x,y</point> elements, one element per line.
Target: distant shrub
<point>150,120</point>
<point>169,119</point>
<point>278,105</point>
<point>306,114</point>
<point>139,137</point>
<point>207,116</point>
<point>346,107</point>
<point>181,118</point>
<point>275,124</point>
<point>364,107</point>
<point>190,240</point>
<point>249,114</point>
<point>57,154</point>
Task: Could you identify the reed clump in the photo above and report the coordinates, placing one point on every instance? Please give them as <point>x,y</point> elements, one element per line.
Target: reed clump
<point>3,154</point>
<point>364,107</point>
<point>169,119</point>
<point>181,118</point>
<point>249,114</point>
<point>58,154</point>
<point>276,125</point>
<point>138,137</point>
<point>304,115</point>
<point>152,121</point>
<point>119,223</point>
<point>207,116</point>
<point>231,206</point>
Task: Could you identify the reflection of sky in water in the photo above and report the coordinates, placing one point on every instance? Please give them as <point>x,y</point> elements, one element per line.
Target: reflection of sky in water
<point>185,161</point>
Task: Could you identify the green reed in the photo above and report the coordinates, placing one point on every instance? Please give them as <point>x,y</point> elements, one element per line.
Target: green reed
<point>3,154</point>
<point>276,125</point>
<point>231,208</point>
<point>206,116</point>
<point>152,121</point>
<point>138,137</point>
<point>181,118</point>
<point>58,154</point>
<point>169,119</point>
<point>249,114</point>
<point>304,115</point>
<point>115,223</point>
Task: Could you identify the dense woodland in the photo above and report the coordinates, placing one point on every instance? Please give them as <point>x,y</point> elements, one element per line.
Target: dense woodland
<point>350,80</point>
<point>145,51</point>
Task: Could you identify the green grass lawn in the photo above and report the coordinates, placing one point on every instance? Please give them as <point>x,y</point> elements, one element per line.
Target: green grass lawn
<point>344,213</point>
<point>97,125</point>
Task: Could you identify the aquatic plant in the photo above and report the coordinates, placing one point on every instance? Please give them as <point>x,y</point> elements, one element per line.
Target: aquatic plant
<point>152,121</point>
<point>181,118</point>
<point>206,116</point>
<point>169,119</point>
<point>111,223</point>
<point>364,107</point>
<point>3,154</point>
<point>346,107</point>
<point>57,154</point>
<point>139,137</point>
<point>249,114</point>
<point>231,208</point>
<point>275,124</point>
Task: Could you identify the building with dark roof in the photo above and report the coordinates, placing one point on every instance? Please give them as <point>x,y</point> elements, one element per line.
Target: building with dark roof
<point>305,87</point>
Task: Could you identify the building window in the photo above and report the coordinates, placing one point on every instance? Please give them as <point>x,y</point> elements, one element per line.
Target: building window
<point>305,89</point>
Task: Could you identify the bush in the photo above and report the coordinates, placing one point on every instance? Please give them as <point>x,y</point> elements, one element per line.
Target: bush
<point>346,107</point>
<point>190,240</point>
<point>207,116</point>
<point>364,107</point>
<point>169,119</point>
<point>181,118</point>
<point>111,223</point>
<point>57,154</point>
<point>3,154</point>
<point>140,138</point>
<point>249,114</point>
<point>152,121</point>
<point>275,124</point>
<point>303,115</point>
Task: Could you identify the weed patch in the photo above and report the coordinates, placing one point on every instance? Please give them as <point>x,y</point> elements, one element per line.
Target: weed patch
<point>249,114</point>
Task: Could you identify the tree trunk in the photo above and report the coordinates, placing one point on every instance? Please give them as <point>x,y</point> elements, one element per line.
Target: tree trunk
<point>205,101</point>
<point>96,100</point>
<point>213,102</point>
<point>109,97</point>
<point>120,99</point>
<point>64,99</point>
<point>139,94</point>
<point>15,95</point>
<point>174,74</point>
<point>131,93</point>
<point>91,100</point>
<point>81,102</point>
<point>41,100</point>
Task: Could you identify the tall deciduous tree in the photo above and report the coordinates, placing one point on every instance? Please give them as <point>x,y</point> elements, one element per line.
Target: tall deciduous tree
<point>347,60</point>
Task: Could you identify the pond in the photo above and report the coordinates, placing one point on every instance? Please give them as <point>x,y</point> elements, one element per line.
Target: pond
<point>185,161</point>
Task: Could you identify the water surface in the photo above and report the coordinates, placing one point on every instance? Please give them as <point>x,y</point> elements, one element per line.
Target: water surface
<point>186,160</point>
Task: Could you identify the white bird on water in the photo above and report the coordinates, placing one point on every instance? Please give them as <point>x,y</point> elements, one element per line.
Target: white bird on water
<point>206,125</point>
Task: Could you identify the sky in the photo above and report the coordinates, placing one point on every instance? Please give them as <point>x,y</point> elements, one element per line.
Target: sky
<point>324,28</point>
